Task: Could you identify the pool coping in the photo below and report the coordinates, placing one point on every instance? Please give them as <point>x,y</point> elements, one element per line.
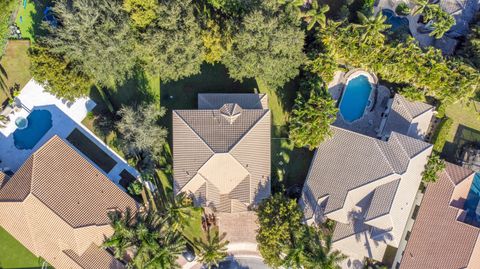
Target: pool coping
<point>372,79</point>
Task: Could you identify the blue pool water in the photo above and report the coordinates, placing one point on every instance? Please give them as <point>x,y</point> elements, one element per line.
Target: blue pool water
<point>39,122</point>
<point>355,98</point>
<point>472,201</point>
<point>398,23</point>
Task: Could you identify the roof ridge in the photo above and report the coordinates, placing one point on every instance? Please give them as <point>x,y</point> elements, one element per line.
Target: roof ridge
<point>265,112</point>
<point>189,127</point>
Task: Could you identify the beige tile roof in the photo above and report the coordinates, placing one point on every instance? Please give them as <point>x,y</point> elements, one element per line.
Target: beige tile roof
<point>438,239</point>
<point>245,100</point>
<point>349,160</point>
<point>382,200</point>
<point>94,258</point>
<point>57,201</point>
<point>402,113</point>
<point>222,154</point>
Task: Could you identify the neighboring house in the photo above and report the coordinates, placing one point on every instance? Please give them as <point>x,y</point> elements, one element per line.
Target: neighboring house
<point>221,152</point>
<point>405,117</point>
<point>368,185</point>
<point>440,238</point>
<point>57,205</point>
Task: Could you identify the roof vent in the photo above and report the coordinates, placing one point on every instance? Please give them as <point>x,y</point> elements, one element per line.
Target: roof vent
<point>231,112</point>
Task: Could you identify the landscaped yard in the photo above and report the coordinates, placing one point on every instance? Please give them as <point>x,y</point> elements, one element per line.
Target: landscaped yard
<point>465,128</point>
<point>29,17</point>
<point>15,255</point>
<point>16,66</point>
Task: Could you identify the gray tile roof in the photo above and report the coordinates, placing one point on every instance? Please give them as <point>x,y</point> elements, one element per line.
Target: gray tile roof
<point>382,200</point>
<point>228,148</point>
<point>402,113</point>
<point>245,100</point>
<point>349,160</point>
<point>346,230</point>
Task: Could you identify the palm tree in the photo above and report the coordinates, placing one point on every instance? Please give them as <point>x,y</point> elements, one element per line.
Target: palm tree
<point>152,242</point>
<point>177,210</point>
<point>213,250</point>
<point>319,251</point>
<point>421,6</point>
<point>441,23</point>
<point>371,28</point>
<point>123,236</point>
<point>295,255</point>
<point>316,15</point>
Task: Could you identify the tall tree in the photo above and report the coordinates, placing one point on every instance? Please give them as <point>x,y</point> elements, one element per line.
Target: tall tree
<point>311,116</point>
<point>268,46</point>
<point>171,45</point>
<point>279,219</point>
<point>97,36</point>
<point>212,250</point>
<point>372,27</point>
<point>142,137</point>
<point>437,19</point>
<point>59,76</point>
<point>142,12</point>
<point>156,246</point>
<point>319,251</point>
<point>316,15</point>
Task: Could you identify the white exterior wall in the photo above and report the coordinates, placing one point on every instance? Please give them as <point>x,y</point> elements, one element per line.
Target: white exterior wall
<point>407,189</point>
<point>419,125</point>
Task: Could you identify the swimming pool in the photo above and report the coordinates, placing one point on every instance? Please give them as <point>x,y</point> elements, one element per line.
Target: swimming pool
<point>39,122</point>
<point>399,24</point>
<point>472,201</point>
<point>355,98</point>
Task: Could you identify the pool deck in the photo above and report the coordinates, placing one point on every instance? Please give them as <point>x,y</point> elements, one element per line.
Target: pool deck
<point>369,123</point>
<point>66,116</point>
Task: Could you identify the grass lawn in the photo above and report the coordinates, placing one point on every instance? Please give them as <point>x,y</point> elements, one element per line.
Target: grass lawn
<point>15,255</point>
<point>29,18</point>
<point>465,128</point>
<point>194,228</point>
<point>15,66</point>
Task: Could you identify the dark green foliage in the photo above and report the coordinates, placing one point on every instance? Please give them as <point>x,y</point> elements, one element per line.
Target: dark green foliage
<point>268,47</point>
<point>212,250</point>
<point>141,135</point>
<point>471,48</point>
<point>284,241</point>
<point>434,166</point>
<point>6,9</point>
<point>402,9</point>
<point>135,188</point>
<point>97,36</point>
<point>171,45</point>
<point>447,80</point>
<point>441,134</point>
<point>156,245</point>
<point>311,116</point>
<point>57,74</point>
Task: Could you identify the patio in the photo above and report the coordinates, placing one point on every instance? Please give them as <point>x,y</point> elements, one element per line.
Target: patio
<point>66,117</point>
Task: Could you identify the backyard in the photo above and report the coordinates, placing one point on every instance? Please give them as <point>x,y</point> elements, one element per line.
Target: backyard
<point>182,94</point>
<point>465,128</point>
<point>15,255</point>
<point>15,66</point>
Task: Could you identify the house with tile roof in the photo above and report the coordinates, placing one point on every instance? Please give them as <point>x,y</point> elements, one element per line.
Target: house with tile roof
<point>368,184</point>
<point>440,237</point>
<point>405,117</point>
<point>57,204</point>
<point>221,152</point>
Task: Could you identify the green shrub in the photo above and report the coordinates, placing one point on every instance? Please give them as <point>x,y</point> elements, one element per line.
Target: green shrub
<point>6,8</point>
<point>135,188</point>
<point>441,134</point>
<point>402,9</point>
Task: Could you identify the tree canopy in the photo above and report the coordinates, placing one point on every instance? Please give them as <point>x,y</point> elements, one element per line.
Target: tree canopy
<point>432,168</point>
<point>171,45</point>
<point>142,137</point>
<point>142,12</point>
<point>312,115</point>
<point>59,76</point>
<point>268,46</point>
<point>96,35</point>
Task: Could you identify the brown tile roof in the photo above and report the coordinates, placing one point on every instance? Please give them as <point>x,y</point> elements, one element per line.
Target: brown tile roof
<point>3,178</point>
<point>94,258</point>
<point>222,153</point>
<point>348,157</point>
<point>68,184</point>
<point>57,203</point>
<point>438,239</point>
